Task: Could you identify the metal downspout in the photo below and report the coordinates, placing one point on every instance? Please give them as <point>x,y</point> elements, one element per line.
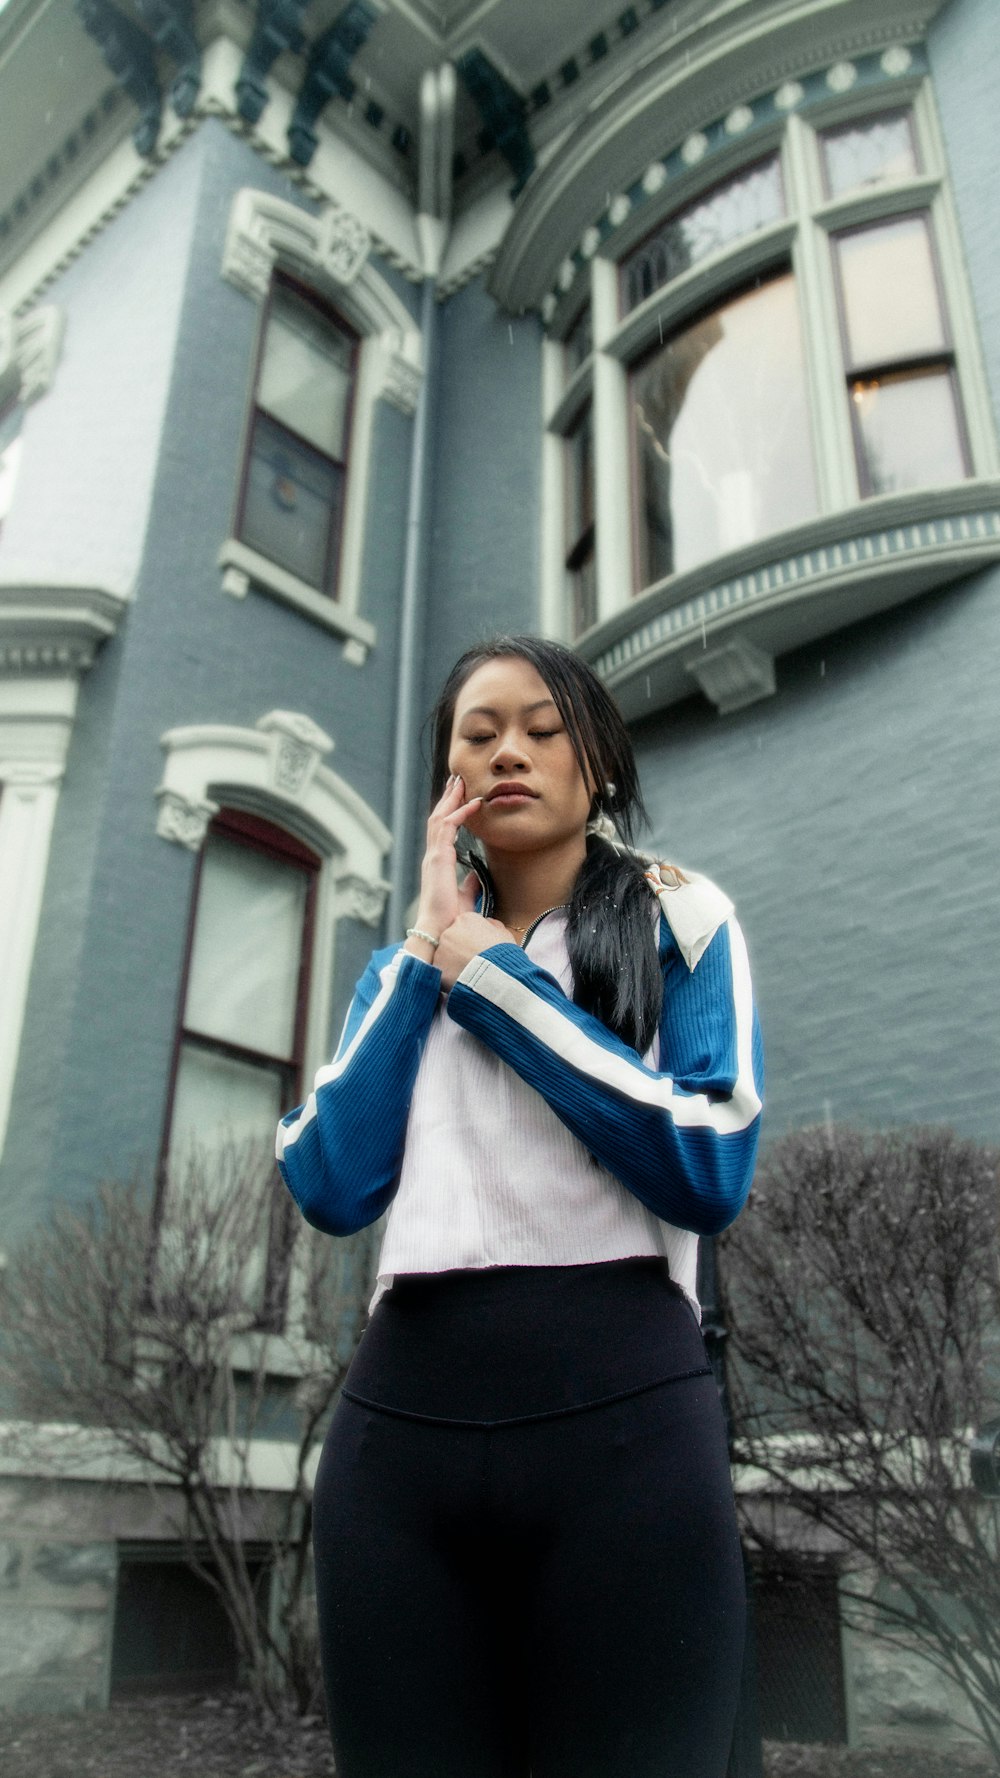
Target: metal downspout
<point>437,102</point>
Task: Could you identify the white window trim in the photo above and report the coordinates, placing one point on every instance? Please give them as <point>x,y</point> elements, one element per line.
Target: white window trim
<point>276,770</point>
<point>704,626</point>
<point>331,251</point>
<point>48,639</point>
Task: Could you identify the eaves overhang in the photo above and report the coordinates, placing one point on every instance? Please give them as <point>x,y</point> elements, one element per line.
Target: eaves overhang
<point>718,628</point>
<point>720,56</point>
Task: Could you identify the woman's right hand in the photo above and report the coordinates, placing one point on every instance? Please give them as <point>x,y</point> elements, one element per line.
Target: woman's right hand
<point>439,900</point>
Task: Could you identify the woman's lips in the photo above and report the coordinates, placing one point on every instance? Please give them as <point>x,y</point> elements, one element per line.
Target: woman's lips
<point>510,796</point>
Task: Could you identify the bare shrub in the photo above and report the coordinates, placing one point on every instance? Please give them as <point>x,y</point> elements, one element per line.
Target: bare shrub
<point>863,1296</point>
<point>201,1352</point>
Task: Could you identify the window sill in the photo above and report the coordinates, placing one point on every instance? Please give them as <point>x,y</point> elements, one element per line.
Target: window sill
<point>243,568</point>
<point>718,627</point>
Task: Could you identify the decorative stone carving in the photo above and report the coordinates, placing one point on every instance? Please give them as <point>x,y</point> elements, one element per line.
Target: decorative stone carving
<point>694,148</point>
<point>401,380</point>
<point>739,119</point>
<point>297,746</point>
<point>789,95</point>
<point>343,245</point>
<point>360,899</point>
<point>183,821</point>
<point>897,60</point>
<point>841,77</point>
<point>247,261</point>
<point>263,229</point>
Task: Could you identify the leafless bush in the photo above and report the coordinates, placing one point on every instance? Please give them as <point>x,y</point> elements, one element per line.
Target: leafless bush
<point>863,1296</point>
<point>202,1350</point>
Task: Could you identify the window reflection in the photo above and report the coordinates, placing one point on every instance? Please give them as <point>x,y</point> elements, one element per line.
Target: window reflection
<point>295,470</point>
<point>908,429</point>
<point>580,563</point>
<point>891,306</point>
<point>721,433</point>
<point>908,426</point>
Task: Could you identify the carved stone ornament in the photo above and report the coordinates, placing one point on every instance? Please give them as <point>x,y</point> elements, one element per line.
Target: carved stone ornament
<point>360,899</point>
<point>297,746</point>
<point>183,821</point>
<point>733,675</point>
<point>343,246</point>
<point>401,380</point>
<point>29,352</point>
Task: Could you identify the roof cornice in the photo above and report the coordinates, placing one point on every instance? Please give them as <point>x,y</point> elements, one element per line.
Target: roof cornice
<point>720,55</point>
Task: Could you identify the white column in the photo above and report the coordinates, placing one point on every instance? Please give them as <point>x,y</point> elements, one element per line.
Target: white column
<point>28,799</point>
<point>611,452</point>
<point>554,616</point>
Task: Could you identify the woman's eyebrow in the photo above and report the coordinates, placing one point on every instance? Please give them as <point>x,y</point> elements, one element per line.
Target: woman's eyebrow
<point>526,709</point>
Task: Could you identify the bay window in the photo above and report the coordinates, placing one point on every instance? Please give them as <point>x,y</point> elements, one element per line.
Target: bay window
<point>789,339</point>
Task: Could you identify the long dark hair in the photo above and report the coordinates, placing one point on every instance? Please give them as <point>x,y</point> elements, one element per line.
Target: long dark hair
<point>610,930</point>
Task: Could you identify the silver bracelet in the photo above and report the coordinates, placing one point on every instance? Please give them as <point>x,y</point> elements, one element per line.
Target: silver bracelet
<point>428,938</point>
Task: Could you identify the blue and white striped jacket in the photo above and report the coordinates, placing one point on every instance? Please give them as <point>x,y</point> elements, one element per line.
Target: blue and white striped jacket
<point>679,1129</point>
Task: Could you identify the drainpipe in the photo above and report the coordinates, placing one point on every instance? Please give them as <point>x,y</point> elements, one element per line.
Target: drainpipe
<point>437,113</point>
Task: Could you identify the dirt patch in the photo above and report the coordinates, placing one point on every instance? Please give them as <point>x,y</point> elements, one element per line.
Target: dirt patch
<point>217,1737</point>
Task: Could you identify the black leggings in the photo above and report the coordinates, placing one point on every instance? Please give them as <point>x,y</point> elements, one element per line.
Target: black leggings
<point>546,1580</point>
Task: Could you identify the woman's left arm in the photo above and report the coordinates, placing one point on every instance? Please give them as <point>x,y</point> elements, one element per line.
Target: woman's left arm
<point>682,1138</point>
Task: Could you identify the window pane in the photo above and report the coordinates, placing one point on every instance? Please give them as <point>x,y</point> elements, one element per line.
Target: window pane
<point>243,980</point>
<point>869,153</point>
<point>218,1100</point>
<point>891,304</point>
<point>584,582</point>
<point>717,219</point>
<point>579,342</point>
<point>722,433</point>
<point>580,480</point>
<point>292,503</point>
<point>305,377</point>
<point>909,430</point>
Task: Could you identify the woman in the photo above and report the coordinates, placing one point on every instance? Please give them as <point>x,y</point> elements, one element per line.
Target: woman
<point>526,1553</point>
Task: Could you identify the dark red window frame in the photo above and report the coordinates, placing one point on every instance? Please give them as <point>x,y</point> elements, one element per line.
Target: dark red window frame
<point>261,836</point>
<point>335,527</point>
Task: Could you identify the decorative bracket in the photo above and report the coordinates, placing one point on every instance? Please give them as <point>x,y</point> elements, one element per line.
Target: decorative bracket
<point>360,898</point>
<point>327,73</point>
<point>504,114</point>
<point>733,674</point>
<point>132,59</point>
<point>29,352</point>
<point>172,25</point>
<point>278,27</point>
<point>182,819</point>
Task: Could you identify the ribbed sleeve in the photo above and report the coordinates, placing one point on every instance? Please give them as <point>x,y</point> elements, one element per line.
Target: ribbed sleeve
<point>340,1152</point>
<point>683,1138</point>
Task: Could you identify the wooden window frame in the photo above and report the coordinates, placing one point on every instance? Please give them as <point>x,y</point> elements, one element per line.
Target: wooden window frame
<point>270,841</point>
<point>333,556</point>
<point>942,358</point>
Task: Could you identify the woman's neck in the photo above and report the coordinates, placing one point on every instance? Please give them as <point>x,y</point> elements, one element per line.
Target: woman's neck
<point>528,884</point>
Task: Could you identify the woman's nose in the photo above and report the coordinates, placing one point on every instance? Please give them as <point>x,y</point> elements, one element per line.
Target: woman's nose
<point>508,756</point>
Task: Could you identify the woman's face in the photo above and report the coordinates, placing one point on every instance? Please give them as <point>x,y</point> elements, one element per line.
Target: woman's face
<point>510,745</point>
